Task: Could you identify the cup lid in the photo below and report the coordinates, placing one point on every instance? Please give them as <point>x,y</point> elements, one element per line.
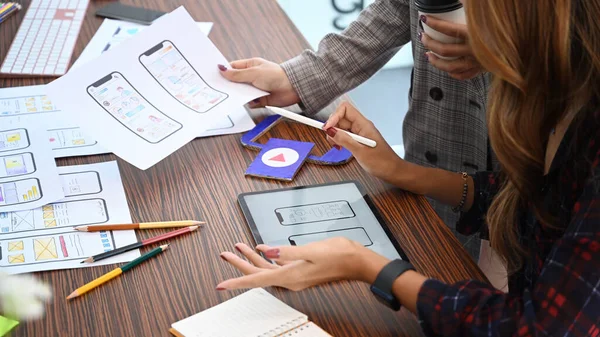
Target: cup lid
<point>437,6</point>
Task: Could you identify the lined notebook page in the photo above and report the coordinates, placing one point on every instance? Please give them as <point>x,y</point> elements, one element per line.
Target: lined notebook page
<point>255,313</point>
<point>308,329</point>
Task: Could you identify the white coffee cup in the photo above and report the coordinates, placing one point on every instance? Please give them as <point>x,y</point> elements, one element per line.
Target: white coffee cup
<point>452,13</point>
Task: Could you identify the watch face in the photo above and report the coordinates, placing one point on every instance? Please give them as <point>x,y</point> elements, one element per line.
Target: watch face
<point>387,299</point>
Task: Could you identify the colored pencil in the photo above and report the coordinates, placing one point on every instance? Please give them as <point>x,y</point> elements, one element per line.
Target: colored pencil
<point>319,125</point>
<point>8,9</point>
<point>140,244</point>
<point>116,272</point>
<point>141,225</point>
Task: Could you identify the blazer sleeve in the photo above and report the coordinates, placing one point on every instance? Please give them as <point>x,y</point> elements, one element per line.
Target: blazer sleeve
<point>343,61</point>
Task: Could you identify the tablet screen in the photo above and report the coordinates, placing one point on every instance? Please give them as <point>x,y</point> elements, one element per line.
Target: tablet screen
<point>301,215</point>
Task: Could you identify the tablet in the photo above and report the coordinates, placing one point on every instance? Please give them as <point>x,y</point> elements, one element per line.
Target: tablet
<point>301,215</point>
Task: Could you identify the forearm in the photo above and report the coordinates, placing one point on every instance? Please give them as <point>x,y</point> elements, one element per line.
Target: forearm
<point>343,61</point>
<point>444,186</point>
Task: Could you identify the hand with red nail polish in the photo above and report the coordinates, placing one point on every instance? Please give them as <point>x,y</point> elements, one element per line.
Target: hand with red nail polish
<point>380,161</point>
<point>300,267</point>
<point>264,75</point>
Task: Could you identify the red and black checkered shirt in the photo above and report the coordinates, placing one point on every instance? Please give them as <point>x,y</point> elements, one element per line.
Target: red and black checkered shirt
<point>557,292</point>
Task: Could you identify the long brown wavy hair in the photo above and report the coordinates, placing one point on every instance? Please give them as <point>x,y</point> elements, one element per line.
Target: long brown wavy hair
<point>545,60</point>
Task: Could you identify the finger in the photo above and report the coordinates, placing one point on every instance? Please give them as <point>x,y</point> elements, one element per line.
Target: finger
<point>239,75</point>
<point>459,65</point>
<point>467,75</point>
<point>343,139</point>
<point>253,257</point>
<point>263,279</point>
<point>344,111</point>
<point>240,264</point>
<point>265,248</point>
<point>452,29</point>
<point>260,102</point>
<point>445,49</point>
<point>245,63</point>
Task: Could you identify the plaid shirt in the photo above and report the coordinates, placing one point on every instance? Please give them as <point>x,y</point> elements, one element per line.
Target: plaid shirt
<point>557,292</point>
<point>445,125</point>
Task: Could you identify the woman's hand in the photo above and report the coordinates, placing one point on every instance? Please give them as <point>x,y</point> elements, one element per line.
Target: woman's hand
<point>465,66</point>
<point>300,267</point>
<point>264,75</point>
<point>380,161</point>
<point>22,296</point>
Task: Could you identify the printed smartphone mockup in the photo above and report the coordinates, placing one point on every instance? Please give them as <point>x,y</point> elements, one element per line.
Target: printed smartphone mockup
<point>177,76</point>
<point>122,101</point>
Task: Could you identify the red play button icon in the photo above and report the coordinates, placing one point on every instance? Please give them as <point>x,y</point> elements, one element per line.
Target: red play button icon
<point>279,158</point>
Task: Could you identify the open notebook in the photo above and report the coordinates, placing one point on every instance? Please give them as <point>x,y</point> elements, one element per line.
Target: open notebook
<point>255,313</point>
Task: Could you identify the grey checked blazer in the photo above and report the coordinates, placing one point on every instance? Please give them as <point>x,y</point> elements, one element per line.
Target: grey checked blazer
<point>445,125</point>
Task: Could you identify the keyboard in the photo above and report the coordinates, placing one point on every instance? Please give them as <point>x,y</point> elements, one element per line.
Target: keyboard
<point>46,38</point>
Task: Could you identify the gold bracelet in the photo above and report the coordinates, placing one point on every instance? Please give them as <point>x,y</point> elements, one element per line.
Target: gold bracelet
<point>463,200</point>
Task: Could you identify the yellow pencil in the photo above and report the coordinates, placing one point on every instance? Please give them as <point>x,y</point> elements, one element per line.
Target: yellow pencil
<point>141,225</point>
<point>116,272</point>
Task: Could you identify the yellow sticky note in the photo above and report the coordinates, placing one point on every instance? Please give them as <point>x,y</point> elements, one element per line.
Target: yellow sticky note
<point>47,208</point>
<point>19,258</point>
<point>13,137</point>
<point>48,214</point>
<point>50,223</point>
<point>15,245</point>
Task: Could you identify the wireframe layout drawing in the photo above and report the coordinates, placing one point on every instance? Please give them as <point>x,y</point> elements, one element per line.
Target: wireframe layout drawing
<point>44,239</point>
<point>66,139</point>
<point>177,76</point>
<point>122,101</point>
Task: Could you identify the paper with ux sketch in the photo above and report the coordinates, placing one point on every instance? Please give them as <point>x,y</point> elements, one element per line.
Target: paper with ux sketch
<point>24,104</point>
<point>43,238</point>
<point>113,32</point>
<point>146,98</point>
<point>28,175</point>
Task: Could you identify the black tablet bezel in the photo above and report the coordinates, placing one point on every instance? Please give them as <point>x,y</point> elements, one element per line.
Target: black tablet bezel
<point>361,189</point>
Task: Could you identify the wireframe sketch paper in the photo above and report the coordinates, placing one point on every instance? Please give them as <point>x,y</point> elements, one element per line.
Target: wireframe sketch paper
<point>28,175</point>
<point>113,32</point>
<point>44,239</point>
<point>30,104</point>
<point>146,98</point>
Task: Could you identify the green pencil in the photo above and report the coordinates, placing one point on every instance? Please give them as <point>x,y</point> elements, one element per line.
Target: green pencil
<point>116,272</point>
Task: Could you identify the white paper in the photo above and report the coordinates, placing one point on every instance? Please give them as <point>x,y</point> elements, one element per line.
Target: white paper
<point>44,238</point>
<point>31,105</point>
<point>28,175</point>
<point>126,108</point>
<point>112,32</point>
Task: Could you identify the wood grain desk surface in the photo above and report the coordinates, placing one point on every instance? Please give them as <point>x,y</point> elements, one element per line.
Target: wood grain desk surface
<point>201,181</point>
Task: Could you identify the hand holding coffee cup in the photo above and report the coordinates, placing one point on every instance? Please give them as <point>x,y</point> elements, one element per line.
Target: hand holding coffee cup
<point>445,35</point>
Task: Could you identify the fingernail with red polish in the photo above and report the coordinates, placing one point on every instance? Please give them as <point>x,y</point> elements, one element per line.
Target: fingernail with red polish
<point>238,249</point>
<point>256,100</point>
<point>272,253</point>
<point>331,132</point>
<point>223,257</point>
<point>420,36</point>
<point>220,288</point>
<point>222,67</point>
<point>423,19</point>
<point>427,56</point>
<point>337,147</point>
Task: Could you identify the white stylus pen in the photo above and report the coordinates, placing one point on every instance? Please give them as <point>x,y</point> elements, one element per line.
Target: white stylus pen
<point>319,125</point>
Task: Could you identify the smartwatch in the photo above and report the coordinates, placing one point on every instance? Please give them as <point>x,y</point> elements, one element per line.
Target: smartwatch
<point>382,287</point>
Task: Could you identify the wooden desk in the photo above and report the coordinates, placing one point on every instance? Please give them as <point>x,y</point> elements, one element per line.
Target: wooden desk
<point>202,181</point>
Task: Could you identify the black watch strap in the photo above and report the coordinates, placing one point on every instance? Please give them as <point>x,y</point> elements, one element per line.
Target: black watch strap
<point>382,287</point>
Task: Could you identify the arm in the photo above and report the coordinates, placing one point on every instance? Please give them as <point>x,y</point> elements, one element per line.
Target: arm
<point>564,299</point>
<point>343,61</point>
